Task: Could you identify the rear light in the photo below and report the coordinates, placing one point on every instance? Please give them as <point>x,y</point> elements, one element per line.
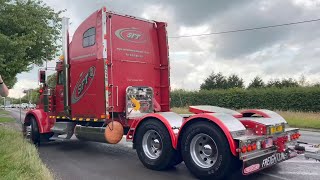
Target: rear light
<point>294,136</point>
<point>254,147</point>
<point>250,147</point>
<point>244,149</point>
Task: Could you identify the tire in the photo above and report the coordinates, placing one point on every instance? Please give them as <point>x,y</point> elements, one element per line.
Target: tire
<point>34,135</point>
<point>205,151</point>
<point>154,146</point>
<point>25,131</point>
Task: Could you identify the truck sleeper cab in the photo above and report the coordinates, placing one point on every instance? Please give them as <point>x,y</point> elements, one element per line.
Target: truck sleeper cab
<point>114,79</point>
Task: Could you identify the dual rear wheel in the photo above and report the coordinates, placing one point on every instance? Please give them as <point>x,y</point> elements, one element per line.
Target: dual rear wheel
<point>203,147</point>
<point>154,147</point>
<point>205,151</point>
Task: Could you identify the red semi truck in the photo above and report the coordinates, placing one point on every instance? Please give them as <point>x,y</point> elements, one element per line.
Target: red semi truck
<point>114,80</point>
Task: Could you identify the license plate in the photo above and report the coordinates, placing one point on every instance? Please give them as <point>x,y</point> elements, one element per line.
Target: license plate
<point>269,142</point>
<point>276,129</point>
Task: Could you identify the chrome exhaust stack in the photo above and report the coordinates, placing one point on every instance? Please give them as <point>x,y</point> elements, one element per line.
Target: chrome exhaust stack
<point>65,52</point>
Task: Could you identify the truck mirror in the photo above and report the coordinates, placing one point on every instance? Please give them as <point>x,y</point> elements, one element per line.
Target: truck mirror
<point>42,76</point>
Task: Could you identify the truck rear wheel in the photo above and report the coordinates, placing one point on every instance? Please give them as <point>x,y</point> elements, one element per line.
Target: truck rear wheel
<point>205,151</point>
<point>154,147</point>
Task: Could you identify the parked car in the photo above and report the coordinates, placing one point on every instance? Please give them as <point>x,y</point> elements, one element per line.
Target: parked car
<point>32,106</point>
<point>24,105</point>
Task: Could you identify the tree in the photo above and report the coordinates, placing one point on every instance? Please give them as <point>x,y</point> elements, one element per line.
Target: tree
<point>214,81</point>
<point>257,82</point>
<point>316,85</point>
<point>289,83</point>
<point>34,96</point>
<point>235,82</point>
<point>29,30</point>
<point>283,83</point>
<point>52,80</point>
<point>303,81</point>
<point>274,83</point>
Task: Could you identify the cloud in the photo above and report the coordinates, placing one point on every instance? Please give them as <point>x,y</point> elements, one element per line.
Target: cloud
<point>270,53</point>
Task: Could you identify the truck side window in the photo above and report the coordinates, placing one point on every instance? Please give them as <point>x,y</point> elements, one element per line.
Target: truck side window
<point>89,37</point>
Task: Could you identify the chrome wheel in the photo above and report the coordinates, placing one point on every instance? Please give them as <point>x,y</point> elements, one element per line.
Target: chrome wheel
<point>152,144</point>
<point>26,131</point>
<point>204,151</point>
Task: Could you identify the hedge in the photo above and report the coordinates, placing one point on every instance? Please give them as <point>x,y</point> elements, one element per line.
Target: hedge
<point>294,99</point>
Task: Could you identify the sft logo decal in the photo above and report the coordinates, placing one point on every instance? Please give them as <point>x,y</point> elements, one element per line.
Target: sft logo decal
<point>131,35</point>
<point>83,84</point>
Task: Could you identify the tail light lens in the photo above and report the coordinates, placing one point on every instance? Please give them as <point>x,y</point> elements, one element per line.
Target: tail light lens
<point>257,145</point>
<point>295,136</point>
<point>254,147</point>
<point>244,149</point>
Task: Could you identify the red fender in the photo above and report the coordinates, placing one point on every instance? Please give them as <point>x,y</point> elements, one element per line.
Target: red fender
<point>169,119</point>
<point>226,130</point>
<point>42,119</point>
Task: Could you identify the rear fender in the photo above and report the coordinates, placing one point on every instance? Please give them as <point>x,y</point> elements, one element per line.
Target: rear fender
<point>230,126</point>
<point>264,113</point>
<point>42,119</point>
<point>171,121</point>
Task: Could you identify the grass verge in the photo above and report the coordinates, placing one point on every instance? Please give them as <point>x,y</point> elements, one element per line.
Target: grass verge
<point>18,158</point>
<point>302,119</point>
<point>294,119</point>
<point>6,119</point>
<point>3,112</point>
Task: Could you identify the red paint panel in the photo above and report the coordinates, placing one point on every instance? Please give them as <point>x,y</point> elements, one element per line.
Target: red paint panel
<point>198,111</point>
<point>258,128</point>
<point>225,130</point>
<point>133,52</point>
<point>42,119</point>
<point>87,89</point>
<point>164,67</point>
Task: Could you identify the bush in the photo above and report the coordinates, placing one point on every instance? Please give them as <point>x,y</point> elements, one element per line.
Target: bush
<point>293,99</point>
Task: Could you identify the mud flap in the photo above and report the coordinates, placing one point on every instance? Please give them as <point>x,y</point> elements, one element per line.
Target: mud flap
<point>264,161</point>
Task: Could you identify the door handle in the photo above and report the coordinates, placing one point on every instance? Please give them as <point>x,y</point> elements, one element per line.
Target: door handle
<point>117,95</point>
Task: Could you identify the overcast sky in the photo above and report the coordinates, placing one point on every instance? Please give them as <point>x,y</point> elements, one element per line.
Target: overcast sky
<point>282,52</point>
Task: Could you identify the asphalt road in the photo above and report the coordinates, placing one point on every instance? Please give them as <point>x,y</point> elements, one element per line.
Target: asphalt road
<point>78,160</point>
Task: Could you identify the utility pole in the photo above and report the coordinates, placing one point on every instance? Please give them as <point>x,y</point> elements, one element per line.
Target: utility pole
<point>20,110</point>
